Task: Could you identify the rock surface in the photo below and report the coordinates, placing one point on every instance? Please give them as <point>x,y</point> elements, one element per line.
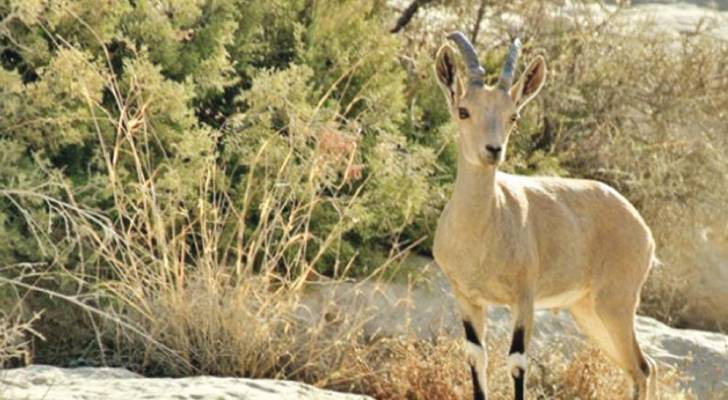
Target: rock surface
<point>680,19</point>
<point>51,383</point>
<point>708,289</point>
<point>674,18</point>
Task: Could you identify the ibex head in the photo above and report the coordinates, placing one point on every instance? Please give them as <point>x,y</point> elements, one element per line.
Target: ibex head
<point>485,115</point>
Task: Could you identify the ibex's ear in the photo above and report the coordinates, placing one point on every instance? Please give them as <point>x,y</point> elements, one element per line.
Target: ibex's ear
<point>446,73</point>
<point>530,82</point>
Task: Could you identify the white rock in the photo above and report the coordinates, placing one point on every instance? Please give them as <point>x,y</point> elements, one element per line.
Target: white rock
<point>708,286</point>
<point>680,18</point>
<point>698,354</point>
<point>673,19</point>
<point>42,382</point>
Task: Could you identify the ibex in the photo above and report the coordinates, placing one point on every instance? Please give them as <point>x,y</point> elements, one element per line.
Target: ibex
<point>534,242</point>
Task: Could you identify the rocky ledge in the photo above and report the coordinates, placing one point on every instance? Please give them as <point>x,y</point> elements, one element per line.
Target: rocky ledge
<point>44,382</point>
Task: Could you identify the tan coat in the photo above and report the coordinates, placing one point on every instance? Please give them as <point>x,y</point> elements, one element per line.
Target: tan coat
<point>558,239</point>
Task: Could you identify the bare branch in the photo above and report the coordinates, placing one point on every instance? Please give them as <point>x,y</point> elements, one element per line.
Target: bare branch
<point>407,14</point>
<point>478,21</point>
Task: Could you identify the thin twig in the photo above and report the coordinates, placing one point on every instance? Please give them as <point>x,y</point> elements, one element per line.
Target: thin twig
<point>407,15</point>
<point>478,21</point>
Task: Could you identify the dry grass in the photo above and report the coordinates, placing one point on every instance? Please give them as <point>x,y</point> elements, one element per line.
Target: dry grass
<point>591,375</point>
<point>253,331</point>
<point>402,368</point>
<point>14,343</point>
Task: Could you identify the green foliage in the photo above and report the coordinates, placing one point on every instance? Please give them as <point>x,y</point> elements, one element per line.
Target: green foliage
<point>358,62</point>
<point>120,100</point>
<point>186,39</point>
<point>399,186</point>
<point>53,111</point>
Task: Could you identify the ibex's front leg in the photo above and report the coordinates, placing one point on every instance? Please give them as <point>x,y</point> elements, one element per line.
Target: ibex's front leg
<point>522,329</point>
<point>475,331</point>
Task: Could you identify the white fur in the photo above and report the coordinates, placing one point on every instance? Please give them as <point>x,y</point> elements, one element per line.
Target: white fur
<point>474,351</point>
<point>517,362</point>
<point>478,359</point>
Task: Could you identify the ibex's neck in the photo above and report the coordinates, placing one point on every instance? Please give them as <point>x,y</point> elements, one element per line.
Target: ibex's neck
<point>474,193</point>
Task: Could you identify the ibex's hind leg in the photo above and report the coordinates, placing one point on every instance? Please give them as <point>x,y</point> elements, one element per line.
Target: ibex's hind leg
<point>648,368</point>
<point>620,325</point>
<point>611,326</point>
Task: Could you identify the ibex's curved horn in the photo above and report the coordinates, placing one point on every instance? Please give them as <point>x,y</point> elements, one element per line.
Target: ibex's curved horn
<point>475,71</point>
<point>506,78</point>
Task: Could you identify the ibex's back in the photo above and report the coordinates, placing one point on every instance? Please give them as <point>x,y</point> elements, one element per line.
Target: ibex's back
<point>534,242</point>
<point>583,231</point>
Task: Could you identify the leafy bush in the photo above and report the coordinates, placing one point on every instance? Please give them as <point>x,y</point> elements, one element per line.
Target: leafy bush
<point>81,80</point>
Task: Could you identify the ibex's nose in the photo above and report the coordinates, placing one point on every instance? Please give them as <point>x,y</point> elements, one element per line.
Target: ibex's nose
<point>493,150</point>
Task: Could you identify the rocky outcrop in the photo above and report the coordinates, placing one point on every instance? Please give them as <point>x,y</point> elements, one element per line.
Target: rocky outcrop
<point>52,383</point>
<point>679,19</point>
<point>707,292</point>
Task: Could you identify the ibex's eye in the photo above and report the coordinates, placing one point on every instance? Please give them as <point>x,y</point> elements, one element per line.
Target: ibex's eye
<point>463,113</point>
<point>514,118</point>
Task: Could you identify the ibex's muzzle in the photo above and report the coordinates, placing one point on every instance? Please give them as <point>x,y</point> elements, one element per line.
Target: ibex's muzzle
<point>493,150</point>
<point>491,154</point>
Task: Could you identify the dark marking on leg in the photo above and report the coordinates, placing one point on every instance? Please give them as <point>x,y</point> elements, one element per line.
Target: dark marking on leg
<point>519,384</point>
<point>518,345</point>
<point>477,391</point>
<point>472,337</point>
<point>470,334</point>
